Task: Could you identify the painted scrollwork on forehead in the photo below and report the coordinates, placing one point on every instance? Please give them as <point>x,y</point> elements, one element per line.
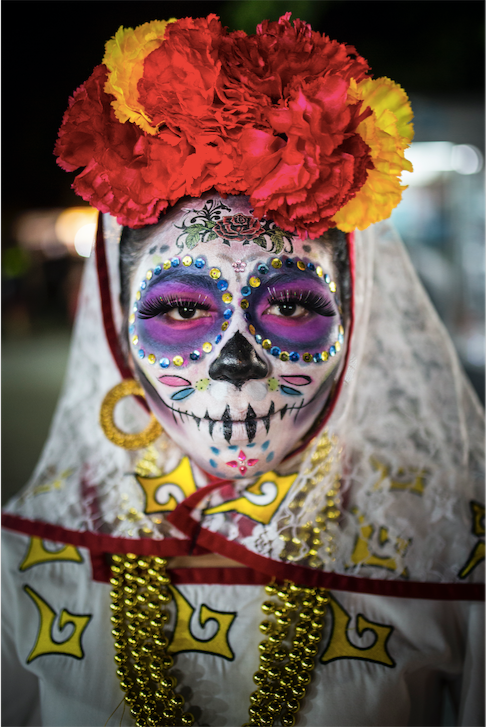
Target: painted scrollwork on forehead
<point>209,223</point>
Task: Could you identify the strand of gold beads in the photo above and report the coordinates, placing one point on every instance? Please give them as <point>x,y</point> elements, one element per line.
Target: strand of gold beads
<point>139,595</point>
<point>284,675</point>
<point>140,592</point>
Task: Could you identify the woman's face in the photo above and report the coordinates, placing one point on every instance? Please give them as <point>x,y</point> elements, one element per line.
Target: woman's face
<point>236,334</point>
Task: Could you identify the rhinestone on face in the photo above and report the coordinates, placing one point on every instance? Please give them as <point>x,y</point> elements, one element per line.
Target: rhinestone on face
<point>223,285</point>
<point>141,353</point>
<point>187,260</point>
<point>332,351</point>
<point>164,363</point>
<point>207,347</point>
<point>311,266</point>
<point>138,295</point>
<point>294,356</point>
<point>317,358</point>
<point>262,269</point>
<point>251,328</point>
<point>319,271</point>
<point>177,360</point>
<point>135,340</point>
<point>149,274</point>
<point>255,282</point>
<point>246,290</point>
<point>300,265</point>
<point>175,262</point>
<point>258,338</point>
<point>166,265</point>
<point>143,285</point>
<point>267,343</point>
<point>225,325</point>
<point>276,263</point>
<point>195,355</point>
<point>152,358</point>
<point>199,262</point>
<point>307,357</point>
<point>284,356</point>
<point>228,313</point>
<point>324,355</point>
<point>289,263</point>
<point>332,287</point>
<point>157,270</point>
<point>215,273</point>
<point>275,351</point>
<point>227,297</point>
<point>244,304</point>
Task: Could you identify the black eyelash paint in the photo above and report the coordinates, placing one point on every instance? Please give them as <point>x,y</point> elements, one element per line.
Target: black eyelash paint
<point>307,299</point>
<point>163,304</point>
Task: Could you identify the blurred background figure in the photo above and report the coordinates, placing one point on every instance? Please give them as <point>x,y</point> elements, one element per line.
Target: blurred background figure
<point>433,50</point>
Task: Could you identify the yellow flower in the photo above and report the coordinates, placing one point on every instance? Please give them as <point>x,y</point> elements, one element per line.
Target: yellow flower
<point>388,132</point>
<point>124,57</point>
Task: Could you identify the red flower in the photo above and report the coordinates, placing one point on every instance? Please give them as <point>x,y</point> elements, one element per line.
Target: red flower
<point>237,227</point>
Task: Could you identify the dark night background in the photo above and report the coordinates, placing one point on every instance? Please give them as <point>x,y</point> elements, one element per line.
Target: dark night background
<point>433,48</point>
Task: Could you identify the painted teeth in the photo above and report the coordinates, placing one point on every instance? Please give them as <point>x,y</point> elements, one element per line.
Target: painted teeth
<point>250,423</point>
<point>227,424</point>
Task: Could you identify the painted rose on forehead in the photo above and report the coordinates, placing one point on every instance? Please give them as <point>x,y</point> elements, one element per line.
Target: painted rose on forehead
<point>206,224</point>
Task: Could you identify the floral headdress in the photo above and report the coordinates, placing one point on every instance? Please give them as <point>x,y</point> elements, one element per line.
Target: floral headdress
<point>286,116</point>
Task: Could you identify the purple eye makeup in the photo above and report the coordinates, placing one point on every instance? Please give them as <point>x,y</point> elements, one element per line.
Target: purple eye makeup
<point>181,309</point>
<point>292,310</point>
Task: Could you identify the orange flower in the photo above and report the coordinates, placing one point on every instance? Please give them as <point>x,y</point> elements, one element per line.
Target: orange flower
<point>388,132</point>
<point>124,57</point>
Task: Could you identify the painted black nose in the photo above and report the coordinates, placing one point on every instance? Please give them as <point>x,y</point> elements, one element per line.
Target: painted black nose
<point>238,362</point>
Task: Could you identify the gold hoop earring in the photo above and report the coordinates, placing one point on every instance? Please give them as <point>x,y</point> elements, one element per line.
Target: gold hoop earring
<point>129,387</point>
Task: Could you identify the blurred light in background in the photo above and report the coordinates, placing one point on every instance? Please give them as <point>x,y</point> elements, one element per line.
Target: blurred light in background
<point>431,158</point>
<point>57,232</point>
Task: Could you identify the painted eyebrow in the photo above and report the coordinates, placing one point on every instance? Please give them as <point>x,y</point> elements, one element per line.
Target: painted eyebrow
<point>195,280</point>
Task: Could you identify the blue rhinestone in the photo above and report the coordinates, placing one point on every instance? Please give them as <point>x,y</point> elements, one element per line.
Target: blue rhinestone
<point>131,329</point>
<point>327,278</point>
<point>246,290</point>
<point>218,338</point>
<point>141,353</point>
<point>143,285</point>
<point>164,363</point>
<point>135,306</point>
<point>157,270</point>
<point>228,313</point>
<point>263,269</point>
<point>248,317</point>
<point>258,338</point>
<point>289,263</point>
<point>340,338</point>
<point>199,262</point>
<point>332,351</point>
<point>175,262</point>
<point>317,358</point>
<point>195,355</point>
<point>294,356</point>
<point>275,351</point>
<point>222,285</point>
<point>311,266</point>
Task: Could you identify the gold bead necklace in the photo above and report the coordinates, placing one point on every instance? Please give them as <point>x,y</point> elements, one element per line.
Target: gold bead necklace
<point>140,594</point>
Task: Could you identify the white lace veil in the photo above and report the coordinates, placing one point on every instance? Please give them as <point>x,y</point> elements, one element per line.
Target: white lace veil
<point>405,440</point>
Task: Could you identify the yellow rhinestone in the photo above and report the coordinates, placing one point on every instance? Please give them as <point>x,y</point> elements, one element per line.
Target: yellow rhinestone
<point>225,325</point>
<point>135,340</point>
<point>319,271</point>
<point>187,260</point>
<point>207,347</point>
<point>166,265</point>
<point>177,360</point>
<point>337,346</point>
<point>325,355</point>
<point>300,265</point>
<point>152,358</point>
<point>215,273</point>
<point>341,330</point>
<point>252,329</point>
<point>149,274</point>
<point>244,304</point>
<point>255,282</point>
<point>132,318</point>
<point>284,356</point>
<point>227,297</point>
<point>276,263</point>
<point>138,295</point>
<point>267,343</point>
<point>332,286</point>
<point>307,357</point>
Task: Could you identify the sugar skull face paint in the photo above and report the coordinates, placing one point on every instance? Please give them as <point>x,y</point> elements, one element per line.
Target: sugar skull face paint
<point>233,382</point>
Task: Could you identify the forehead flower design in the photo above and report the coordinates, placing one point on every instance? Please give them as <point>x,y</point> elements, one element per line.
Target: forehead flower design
<point>286,116</point>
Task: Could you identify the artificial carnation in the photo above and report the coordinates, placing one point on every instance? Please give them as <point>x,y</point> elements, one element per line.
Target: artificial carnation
<point>124,57</point>
<point>388,132</point>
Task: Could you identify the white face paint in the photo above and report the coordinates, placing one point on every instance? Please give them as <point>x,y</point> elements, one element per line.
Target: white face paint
<point>236,334</point>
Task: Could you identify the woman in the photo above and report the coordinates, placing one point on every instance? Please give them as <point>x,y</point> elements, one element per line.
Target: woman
<point>313,455</point>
